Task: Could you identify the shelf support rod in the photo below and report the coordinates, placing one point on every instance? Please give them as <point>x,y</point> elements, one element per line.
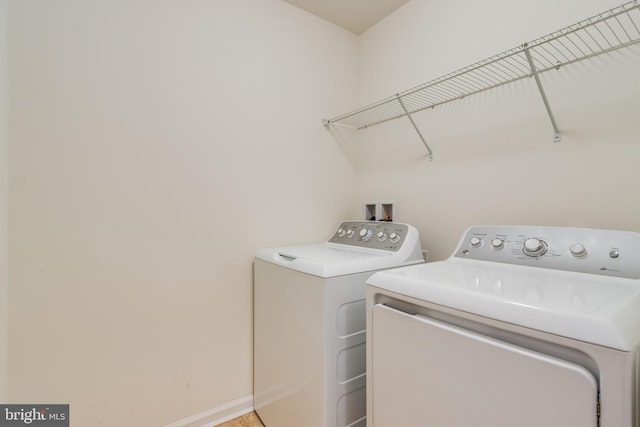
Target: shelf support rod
<point>406,112</point>
<point>534,72</point>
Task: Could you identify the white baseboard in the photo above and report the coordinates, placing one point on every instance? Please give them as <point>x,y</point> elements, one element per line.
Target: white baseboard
<point>219,415</point>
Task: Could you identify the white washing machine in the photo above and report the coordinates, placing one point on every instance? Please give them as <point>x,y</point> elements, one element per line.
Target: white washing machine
<point>521,326</point>
<point>309,323</point>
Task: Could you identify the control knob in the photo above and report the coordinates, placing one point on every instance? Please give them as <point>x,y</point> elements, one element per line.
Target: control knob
<point>394,237</point>
<point>475,242</point>
<point>350,233</point>
<point>382,236</point>
<point>341,232</point>
<point>497,243</point>
<point>578,250</point>
<point>365,234</point>
<point>534,247</point>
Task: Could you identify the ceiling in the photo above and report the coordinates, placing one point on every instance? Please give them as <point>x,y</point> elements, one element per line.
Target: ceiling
<point>353,15</point>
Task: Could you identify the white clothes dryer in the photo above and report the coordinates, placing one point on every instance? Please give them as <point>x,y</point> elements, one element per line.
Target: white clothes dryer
<point>309,323</point>
<point>521,326</point>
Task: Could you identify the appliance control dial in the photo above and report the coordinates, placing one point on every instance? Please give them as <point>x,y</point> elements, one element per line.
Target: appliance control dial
<point>578,250</point>
<point>341,232</point>
<point>475,242</point>
<point>534,247</point>
<point>497,243</point>
<point>394,237</point>
<point>382,236</point>
<point>350,233</point>
<point>365,234</point>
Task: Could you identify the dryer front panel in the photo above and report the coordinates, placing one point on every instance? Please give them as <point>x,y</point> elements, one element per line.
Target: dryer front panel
<point>426,372</point>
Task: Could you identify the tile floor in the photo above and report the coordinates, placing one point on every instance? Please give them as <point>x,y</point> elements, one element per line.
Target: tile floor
<point>248,420</point>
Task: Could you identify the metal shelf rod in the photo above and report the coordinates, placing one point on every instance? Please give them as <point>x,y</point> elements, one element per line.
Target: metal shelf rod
<point>416,128</point>
<point>556,130</point>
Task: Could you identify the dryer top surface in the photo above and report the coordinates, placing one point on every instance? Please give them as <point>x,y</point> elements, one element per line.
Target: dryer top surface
<point>594,298</point>
<point>595,309</point>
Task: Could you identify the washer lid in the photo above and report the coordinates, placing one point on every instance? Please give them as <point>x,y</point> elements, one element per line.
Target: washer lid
<point>595,309</point>
<point>330,260</point>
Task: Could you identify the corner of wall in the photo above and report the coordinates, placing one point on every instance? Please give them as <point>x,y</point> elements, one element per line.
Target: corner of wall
<point>4,214</point>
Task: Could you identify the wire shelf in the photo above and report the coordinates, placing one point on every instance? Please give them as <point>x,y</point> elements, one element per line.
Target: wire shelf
<point>610,30</point>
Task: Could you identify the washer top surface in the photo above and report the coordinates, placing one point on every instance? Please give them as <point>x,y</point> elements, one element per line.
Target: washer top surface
<point>355,247</point>
<point>578,283</point>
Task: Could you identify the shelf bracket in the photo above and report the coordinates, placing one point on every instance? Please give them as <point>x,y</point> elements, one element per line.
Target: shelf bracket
<point>406,112</point>
<point>534,73</point>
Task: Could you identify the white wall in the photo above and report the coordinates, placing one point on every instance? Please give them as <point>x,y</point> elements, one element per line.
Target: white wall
<point>154,146</point>
<point>4,198</point>
<point>494,160</point>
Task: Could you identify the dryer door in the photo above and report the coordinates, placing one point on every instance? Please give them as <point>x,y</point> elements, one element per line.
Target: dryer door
<point>428,373</point>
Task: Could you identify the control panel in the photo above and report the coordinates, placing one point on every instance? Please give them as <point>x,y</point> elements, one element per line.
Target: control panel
<point>384,235</point>
<point>604,252</point>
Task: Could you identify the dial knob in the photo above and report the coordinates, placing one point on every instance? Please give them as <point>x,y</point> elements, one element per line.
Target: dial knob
<point>365,234</point>
<point>534,247</point>
<point>497,243</point>
<point>475,242</point>
<point>578,250</point>
<point>382,236</point>
<point>341,232</point>
<point>394,237</point>
<point>350,233</point>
